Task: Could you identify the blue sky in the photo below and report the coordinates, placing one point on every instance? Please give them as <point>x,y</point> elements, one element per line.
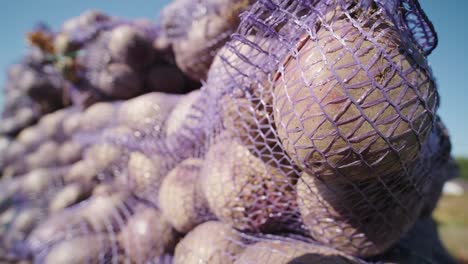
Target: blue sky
<point>449,61</point>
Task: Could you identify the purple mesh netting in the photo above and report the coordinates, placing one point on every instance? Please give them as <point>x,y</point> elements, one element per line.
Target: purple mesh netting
<point>314,139</point>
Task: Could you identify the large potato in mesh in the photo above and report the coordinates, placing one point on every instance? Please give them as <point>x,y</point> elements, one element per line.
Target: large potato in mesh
<point>180,198</point>
<point>84,249</point>
<point>354,102</point>
<point>147,236</point>
<point>358,218</point>
<point>291,251</point>
<point>211,242</point>
<point>245,192</point>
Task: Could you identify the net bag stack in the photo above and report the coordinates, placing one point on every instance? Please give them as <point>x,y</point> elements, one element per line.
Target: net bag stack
<point>314,138</point>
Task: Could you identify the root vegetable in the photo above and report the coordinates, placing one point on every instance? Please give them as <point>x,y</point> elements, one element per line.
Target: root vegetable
<point>130,46</point>
<point>147,112</point>
<point>180,197</point>
<point>361,219</point>
<point>354,104</point>
<point>68,196</point>
<point>181,114</point>
<point>147,236</point>
<point>211,242</point>
<point>85,249</point>
<point>243,191</point>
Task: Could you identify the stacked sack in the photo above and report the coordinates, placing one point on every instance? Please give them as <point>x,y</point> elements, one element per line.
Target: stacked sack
<point>314,139</point>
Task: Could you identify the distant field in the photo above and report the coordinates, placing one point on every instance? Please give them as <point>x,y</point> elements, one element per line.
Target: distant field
<point>452,217</point>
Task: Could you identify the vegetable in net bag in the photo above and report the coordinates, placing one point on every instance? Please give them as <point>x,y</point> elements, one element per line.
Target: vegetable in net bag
<point>314,139</point>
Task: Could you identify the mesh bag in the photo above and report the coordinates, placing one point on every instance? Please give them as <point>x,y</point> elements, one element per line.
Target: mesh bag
<point>314,139</point>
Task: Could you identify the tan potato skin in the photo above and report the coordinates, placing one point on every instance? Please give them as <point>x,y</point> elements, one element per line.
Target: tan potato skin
<point>148,112</point>
<point>147,236</point>
<point>99,214</point>
<point>69,152</point>
<point>46,155</point>
<point>146,174</point>
<point>319,126</point>
<point>180,197</point>
<point>181,113</point>
<point>85,249</point>
<point>243,191</point>
<point>282,252</point>
<point>360,218</point>
<point>69,195</point>
<point>211,242</point>
<point>97,116</point>
<point>205,35</point>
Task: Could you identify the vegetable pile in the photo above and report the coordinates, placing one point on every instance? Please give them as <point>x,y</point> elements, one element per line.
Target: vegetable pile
<point>229,131</point>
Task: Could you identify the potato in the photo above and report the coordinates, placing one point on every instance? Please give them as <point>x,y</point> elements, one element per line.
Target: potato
<point>119,81</point>
<point>83,171</point>
<point>98,214</point>
<point>360,218</point>
<point>181,199</point>
<point>104,155</point>
<point>84,249</point>
<point>69,152</point>
<point>51,124</point>
<point>15,151</point>
<point>147,236</point>
<point>204,35</point>
<point>45,156</point>
<point>146,174</point>
<point>291,251</point>
<point>181,114</point>
<point>130,46</point>
<point>250,122</point>
<point>25,219</point>
<point>335,117</point>
<point>72,123</point>
<point>147,112</point>
<point>98,116</point>
<point>30,136</point>
<point>6,217</point>
<point>69,195</point>
<point>38,181</point>
<point>211,242</point>
<point>243,191</point>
